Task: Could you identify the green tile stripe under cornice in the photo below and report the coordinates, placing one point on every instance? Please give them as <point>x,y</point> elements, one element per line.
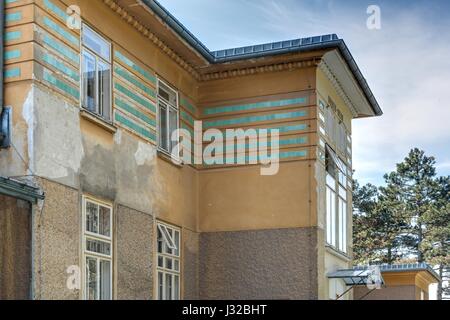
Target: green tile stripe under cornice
<point>247,158</point>
<point>10,1</point>
<point>142,101</point>
<point>253,106</point>
<point>267,144</point>
<point>60,66</point>
<point>61,48</point>
<point>13,35</point>
<point>61,31</point>
<point>140,115</point>
<point>12,73</point>
<point>185,116</point>
<point>134,81</point>
<point>147,75</point>
<point>134,127</point>
<point>186,127</point>
<point>56,10</point>
<point>186,104</point>
<point>13,54</point>
<point>251,119</point>
<point>12,17</point>
<point>282,129</point>
<point>61,85</point>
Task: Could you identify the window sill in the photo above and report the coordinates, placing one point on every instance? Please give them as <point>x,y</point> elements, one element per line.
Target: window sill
<point>332,250</point>
<point>162,154</point>
<point>98,121</point>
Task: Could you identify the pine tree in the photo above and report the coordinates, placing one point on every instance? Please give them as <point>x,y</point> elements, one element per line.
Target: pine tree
<point>436,242</point>
<point>415,180</point>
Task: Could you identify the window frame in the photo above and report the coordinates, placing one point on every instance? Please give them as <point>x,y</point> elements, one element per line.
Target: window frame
<point>94,255</point>
<point>336,226</point>
<point>163,270</point>
<point>99,59</point>
<point>169,106</point>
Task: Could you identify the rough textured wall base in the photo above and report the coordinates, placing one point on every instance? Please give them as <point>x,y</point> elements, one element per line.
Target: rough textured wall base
<point>134,254</point>
<point>263,264</point>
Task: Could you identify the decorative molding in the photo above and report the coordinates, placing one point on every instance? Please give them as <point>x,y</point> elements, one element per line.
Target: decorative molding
<point>124,15</point>
<point>260,69</point>
<point>338,87</point>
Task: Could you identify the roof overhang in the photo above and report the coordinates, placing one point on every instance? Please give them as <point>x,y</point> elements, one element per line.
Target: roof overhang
<point>19,190</point>
<point>337,59</point>
<point>353,277</point>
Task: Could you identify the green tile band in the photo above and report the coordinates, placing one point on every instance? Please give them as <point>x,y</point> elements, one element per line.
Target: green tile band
<point>147,75</point>
<point>267,144</point>
<point>282,129</point>
<point>13,35</point>
<point>253,106</point>
<point>61,85</point>
<point>134,81</point>
<point>142,101</point>
<point>56,10</point>
<point>185,116</point>
<point>12,17</point>
<point>61,48</point>
<point>10,1</point>
<point>134,127</point>
<point>12,73</point>
<point>61,31</point>
<point>185,103</point>
<point>258,158</point>
<point>126,107</point>
<point>186,127</point>
<point>251,119</point>
<point>13,54</point>
<point>60,66</point>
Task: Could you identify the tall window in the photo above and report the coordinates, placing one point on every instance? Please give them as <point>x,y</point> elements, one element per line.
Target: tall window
<point>168,116</point>
<point>96,73</point>
<point>97,250</point>
<point>168,269</point>
<point>336,201</point>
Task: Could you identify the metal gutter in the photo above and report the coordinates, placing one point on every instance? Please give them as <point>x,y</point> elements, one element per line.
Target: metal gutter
<point>20,190</point>
<point>404,267</point>
<point>214,57</point>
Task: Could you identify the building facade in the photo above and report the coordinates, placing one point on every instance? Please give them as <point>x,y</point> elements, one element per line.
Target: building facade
<point>95,90</point>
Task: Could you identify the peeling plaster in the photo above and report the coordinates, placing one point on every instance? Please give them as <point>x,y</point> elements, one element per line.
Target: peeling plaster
<point>28,116</point>
<point>144,153</point>
<point>57,141</point>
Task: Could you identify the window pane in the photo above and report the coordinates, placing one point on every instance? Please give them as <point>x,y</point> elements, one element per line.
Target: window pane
<point>328,217</point>
<point>91,278</point>
<point>91,217</point>
<point>169,263</point>
<point>169,286</point>
<point>89,82</point>
<point>177,242</point>
<point>96,43</point>
<point>160,286</point>
<point>105,221</point>
<point>167,94</point>
<point>98,246</point>
<point>163,126</point>
<point>160,261</point>
<point>176,285</point>
<point>104,94</point>
<point>333,217</point>
<point>173,125</point>
<point>105,280</point>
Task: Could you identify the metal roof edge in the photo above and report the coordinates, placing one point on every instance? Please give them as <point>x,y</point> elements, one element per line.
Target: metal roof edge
<point>16,189</point>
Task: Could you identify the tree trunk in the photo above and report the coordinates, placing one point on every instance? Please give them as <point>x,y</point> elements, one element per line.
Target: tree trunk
<point>441,273</point>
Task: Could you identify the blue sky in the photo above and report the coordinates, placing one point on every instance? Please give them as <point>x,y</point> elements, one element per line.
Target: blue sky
<point>406,63</point>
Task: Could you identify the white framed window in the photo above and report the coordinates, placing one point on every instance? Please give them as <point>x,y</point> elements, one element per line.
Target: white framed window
<point>96,73</point>
<point>168,262</point>
<point>97,247</point>
<point>168,117</point>
<point>336,201</point>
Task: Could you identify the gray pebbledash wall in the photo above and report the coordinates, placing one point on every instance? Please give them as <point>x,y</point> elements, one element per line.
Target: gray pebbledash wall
<point>262,264</point>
